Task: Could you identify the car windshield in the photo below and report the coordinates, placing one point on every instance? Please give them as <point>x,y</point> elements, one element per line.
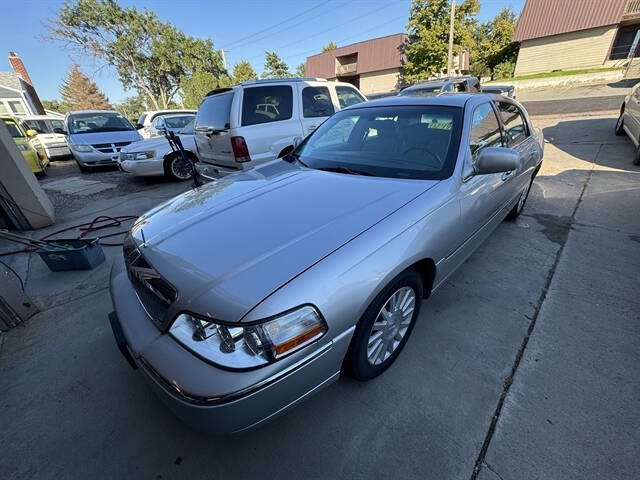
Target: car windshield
<point>418,142</point>
<point>188,128</point>
<point>98,122</point>
<point>178,122</point>
<point>13,128</point>
<point>39,126</point>
<point>424,91</point>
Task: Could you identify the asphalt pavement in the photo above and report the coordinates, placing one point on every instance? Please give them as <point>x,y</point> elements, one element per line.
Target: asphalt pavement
<point>523,365</point>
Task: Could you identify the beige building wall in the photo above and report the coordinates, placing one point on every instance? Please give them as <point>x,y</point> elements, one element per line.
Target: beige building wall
<point>581,49</point>
<point>380,81</point>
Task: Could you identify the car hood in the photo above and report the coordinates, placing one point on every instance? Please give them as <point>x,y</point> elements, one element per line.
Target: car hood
<point>229,244</point>
<point>104,137</point>
<point>155,143</point>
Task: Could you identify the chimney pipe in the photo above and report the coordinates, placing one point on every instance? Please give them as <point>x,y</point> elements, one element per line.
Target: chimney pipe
<point>21,70</point>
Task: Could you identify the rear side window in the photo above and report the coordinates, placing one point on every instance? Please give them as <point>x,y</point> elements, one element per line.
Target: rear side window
<point>316,102</point>
<point>485,130</point>
<point>215,111</point>
<point>514,127</point>
<point>267,104</point>
<point>348,96</point>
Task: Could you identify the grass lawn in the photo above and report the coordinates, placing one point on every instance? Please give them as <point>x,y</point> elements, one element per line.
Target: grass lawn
<point>559,73</point>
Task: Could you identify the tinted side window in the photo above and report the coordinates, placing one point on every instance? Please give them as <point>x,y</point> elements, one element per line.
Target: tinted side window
<point>514,127</point>
<point>215,111</point>
<point>316,102</point>
<point>460,87</point>
<point>485,130</point>
<point>267,104</point>
<point>348,96</point>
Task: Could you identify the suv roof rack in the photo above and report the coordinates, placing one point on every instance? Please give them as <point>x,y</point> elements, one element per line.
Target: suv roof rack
<point>284,79</point>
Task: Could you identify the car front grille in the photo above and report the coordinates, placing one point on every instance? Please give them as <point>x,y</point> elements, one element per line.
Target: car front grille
<point>155,293</point>
<point>110,147</point>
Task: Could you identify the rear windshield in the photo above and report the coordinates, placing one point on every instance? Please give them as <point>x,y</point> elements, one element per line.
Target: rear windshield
<point>215,111</point>
<point>98,122</point>
<point>423,91</point>
<point>177,122</point>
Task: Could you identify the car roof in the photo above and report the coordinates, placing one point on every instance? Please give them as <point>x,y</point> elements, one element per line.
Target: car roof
<point>446,100</point>
<point>183,114</point>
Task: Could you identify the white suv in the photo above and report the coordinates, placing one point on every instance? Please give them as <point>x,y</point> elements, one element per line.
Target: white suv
<point>258,121</point>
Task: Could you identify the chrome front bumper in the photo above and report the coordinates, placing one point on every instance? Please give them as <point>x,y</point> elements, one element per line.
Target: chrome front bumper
<point>210,398</point>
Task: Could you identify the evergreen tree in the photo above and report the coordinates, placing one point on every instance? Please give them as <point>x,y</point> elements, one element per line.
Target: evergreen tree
<point>329,46</point>
<point>243,71</point>
<point>275,67</point>
<point>78,92</point>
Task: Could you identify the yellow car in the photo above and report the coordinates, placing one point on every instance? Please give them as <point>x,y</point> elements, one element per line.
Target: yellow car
<point>36,163</point>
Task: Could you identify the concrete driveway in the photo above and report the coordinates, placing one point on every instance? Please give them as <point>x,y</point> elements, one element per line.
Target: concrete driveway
<point>524,365</point>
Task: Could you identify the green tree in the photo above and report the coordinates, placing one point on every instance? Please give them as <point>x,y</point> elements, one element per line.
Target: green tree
<point>132,108</point>
<point>55,106</point>
<point>329,46</point>
<point>148,54</point>
<point>427,45</point>
<point>78,92</point>
<point>275,67</point>
<point>195,88</point>
<point>243,71</point>
<point>494,45</point>
<point>301,70</point>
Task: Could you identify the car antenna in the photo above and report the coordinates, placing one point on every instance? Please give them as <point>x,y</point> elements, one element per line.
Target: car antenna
<point>176,145</point>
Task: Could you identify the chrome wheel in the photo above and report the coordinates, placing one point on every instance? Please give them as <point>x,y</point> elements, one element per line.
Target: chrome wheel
<point>181,168</point>
<point>391,325</point>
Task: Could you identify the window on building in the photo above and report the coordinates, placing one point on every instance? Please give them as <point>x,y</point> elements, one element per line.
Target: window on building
<point>17,107</point>
<point>623,43</point>
<point>316,102</point>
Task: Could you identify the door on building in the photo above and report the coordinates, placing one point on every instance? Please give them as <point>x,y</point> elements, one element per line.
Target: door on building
<point>352,79</point>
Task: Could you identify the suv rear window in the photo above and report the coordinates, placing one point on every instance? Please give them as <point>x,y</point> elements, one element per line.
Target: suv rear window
<point>348,96</point>
<point>215,111</point>
<point>267,104</point>
<point>316,102</point>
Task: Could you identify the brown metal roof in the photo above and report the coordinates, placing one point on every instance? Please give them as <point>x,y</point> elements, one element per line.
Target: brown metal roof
<point>373,55</point>
<point>541,18</point>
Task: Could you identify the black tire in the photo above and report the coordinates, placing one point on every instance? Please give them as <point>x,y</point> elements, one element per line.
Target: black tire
<point>356,362</point>
<point>522,200</point>
<point>171,163</point>
<point>636,161</point>
<point>619,130</point>
<point>82,168</point>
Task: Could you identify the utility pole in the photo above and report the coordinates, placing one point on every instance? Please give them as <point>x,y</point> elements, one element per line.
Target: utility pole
<point>450,58</point>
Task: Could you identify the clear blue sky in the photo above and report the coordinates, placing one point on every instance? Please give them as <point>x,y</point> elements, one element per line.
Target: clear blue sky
<point>305,26</point>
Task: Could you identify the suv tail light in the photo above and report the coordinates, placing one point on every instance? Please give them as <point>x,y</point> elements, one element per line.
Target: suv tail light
<point>240,149</point>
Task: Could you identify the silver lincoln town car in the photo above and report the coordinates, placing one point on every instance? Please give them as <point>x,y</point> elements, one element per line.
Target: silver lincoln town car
<point>241,298</point>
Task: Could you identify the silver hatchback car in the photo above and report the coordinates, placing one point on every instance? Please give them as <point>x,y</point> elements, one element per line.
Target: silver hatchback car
<point>241,298</point>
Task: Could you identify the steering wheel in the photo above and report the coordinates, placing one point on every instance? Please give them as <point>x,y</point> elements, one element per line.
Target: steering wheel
<point>433,155</point>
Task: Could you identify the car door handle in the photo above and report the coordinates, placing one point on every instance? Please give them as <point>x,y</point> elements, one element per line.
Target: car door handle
<point>507,175</point>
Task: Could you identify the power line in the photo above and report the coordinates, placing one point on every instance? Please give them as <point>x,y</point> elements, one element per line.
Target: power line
<point>322,32</point>
<point>243,39</point>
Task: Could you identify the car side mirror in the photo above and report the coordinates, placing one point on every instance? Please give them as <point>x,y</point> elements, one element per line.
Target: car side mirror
<point>31,133</point>
<point>496,160</point>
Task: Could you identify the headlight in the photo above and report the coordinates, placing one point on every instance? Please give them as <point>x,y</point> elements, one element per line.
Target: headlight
<point>250,345</point>
<point>80,148</point>
<point>137,155</point>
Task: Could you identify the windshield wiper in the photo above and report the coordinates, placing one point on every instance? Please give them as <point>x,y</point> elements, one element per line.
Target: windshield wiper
<point>350,171</point>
